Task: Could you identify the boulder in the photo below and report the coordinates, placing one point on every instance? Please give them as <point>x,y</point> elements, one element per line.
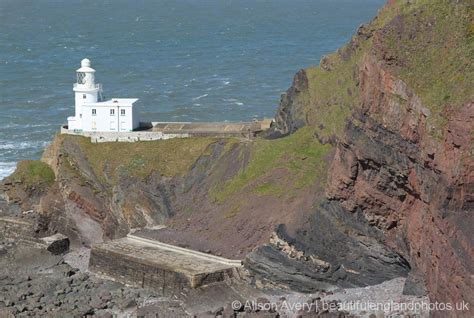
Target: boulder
<point>56,244</point>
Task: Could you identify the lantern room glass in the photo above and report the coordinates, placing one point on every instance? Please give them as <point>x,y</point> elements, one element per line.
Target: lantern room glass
<point>81,77</point>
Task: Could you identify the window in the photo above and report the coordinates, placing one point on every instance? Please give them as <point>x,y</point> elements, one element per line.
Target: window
<point>112,112</point>
<point>94,112</point>
<point>122,112</point>
<point>81,78</point>
<point>83,96</point>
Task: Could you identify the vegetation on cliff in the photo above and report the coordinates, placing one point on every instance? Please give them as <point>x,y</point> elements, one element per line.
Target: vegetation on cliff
<point>428,44</point>
<point>301,158</point>
<point>169,158</point>
<point>33,173</point>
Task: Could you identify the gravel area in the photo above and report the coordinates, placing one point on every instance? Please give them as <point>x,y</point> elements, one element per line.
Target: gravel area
<point>386,297</point>
<point>78,258</point>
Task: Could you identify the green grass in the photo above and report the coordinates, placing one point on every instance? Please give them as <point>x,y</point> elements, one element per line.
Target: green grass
<point>333,93</point>
<point>172,157</point>
<point>300,155</point>
<point>33,173</point>
<point>436,48</point>
<point>270,188</point>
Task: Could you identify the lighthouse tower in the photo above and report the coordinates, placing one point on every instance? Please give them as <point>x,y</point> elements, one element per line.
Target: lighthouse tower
<point>96,115</point>
<point>86,91</point>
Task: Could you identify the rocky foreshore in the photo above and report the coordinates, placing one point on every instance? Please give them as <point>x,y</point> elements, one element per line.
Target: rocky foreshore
<point>36,283</point>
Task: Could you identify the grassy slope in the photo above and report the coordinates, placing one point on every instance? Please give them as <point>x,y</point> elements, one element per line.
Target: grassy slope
<point>300,155</point>
<point>33,173</point>
<point>169,158</point>
<point>435,52</point>
<point>433,48</point>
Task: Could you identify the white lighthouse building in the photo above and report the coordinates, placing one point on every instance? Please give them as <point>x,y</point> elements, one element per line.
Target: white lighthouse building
<point>95,114</point>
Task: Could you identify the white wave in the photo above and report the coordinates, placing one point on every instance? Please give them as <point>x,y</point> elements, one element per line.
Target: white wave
<point>199,97</point>
<point>9,126</point>
<point>6,169</point>
<point>22,145</point>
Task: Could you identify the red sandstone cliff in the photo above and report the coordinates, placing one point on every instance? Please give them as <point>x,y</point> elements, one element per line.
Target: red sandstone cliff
<point>405,157</point>
<point>416,188</point>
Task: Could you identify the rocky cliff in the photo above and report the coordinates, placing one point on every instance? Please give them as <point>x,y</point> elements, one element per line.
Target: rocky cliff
<point>404,157</point>
<point>206,190</point>
<point>367,174</point>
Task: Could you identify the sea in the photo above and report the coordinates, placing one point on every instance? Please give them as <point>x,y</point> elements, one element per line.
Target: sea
<point>186,60</point>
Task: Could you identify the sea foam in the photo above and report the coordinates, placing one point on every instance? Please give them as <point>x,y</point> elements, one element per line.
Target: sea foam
<point>6,169</point>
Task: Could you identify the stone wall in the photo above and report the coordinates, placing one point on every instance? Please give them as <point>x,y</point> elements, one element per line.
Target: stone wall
<point>167,130</point>
<point>140,274</point>
<point>132,136</point>
<point>164,268</point>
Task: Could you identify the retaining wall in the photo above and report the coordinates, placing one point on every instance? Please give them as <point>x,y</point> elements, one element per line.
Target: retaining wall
<point>147,274</point>
<point>132,136</point>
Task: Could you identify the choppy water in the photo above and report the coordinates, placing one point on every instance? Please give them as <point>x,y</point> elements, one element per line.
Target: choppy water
<point>187,60</point>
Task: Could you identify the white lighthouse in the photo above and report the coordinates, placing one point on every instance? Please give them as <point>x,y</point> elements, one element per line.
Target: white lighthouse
<point>93,113</point>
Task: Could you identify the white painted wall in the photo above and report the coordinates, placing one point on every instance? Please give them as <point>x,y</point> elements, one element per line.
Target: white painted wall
<point>136,117</point>
<point>72,123</point>
<point>125,121</point>
<point>103,121</point>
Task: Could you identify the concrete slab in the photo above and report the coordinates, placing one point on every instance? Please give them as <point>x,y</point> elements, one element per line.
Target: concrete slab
<point>166,268</point>
<point>185,251</point>
<point>212,129</point>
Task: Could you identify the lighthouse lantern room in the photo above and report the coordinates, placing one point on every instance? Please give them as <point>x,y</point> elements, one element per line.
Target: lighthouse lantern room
<point>95,114</point>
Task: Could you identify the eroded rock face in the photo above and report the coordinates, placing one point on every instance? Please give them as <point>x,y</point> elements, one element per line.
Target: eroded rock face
<point>290,113</point>
<point>334,248</point>
<point>90,208</point>
<point>413,187</point>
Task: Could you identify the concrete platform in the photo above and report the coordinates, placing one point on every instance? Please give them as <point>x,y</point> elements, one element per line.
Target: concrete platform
<point>238,129</point>
<point>149,131</point>
<point>162,267</point>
